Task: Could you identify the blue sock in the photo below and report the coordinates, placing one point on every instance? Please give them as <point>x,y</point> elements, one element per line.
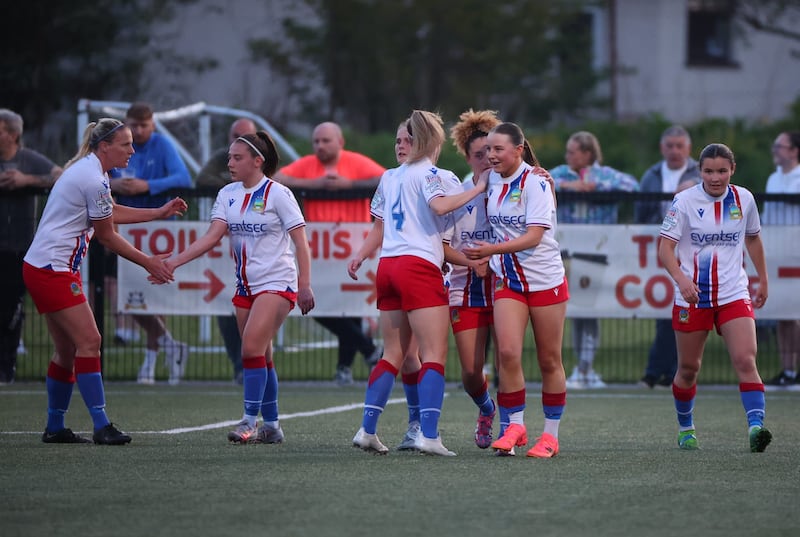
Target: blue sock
<point>754,406</point>
<point>59,395</point>
<point>411,389</point>
<point>269,405</point>
<point>431,397</point>
<point>485,404</point>
<point>254,380</point>
<point>684,405</point>
<point>508,403</point>
<point>90,384</point>
<point>553,405</point>
<point>504,419</point>
<point>381,382</point>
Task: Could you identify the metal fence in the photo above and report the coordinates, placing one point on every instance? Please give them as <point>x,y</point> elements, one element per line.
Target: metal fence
<point>307,351</point>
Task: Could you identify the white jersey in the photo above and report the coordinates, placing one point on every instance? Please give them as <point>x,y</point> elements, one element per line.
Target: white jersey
<point>259,220</point>
<point>468,224</point>
<point>779,212</point>
<point>80,196</point>
<point>710,233</point>
<point>515,204</point>
<point>403,195</point>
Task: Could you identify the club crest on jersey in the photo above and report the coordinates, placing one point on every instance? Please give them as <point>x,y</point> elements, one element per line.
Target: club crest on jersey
<point>433,183</point>
<point>735,212</point>
<point>515,195</point>
<point>454,317</point>
<point>683,316</point>
<point>75,289</point>
<point>499,285</point>
<point>258,205</point>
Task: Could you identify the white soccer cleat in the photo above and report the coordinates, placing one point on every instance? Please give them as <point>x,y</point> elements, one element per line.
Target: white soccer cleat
<point>433,446</point>
<point>409,442</point>
<point>369,442</point>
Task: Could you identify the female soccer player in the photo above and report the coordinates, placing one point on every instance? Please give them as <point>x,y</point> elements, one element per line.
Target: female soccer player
<point>263,219</point>
<point>530,285</point>
<point>409,371</point>
<point>703,237</point>
<point>80,207</point>
<point>411,295</point>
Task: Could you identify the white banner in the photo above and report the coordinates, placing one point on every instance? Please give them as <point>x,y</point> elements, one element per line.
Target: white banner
<point>612,270</point>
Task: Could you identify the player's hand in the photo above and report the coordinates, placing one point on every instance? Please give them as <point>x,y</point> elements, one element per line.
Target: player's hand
<point>305,300</point>
<point>158,269</point>
<point>477,250</point>
<point>174,207</point>
<point>353,266</point>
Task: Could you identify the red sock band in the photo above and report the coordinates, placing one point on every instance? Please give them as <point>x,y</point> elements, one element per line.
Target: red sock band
<point>554,399</point>
<point>61,374</point>
<point>684,394</point>
<point>380,368</point>
<point>270,364</point>
<point>411,378</point>
<point>480,392</point>
<point>254,362</point>
<point>512,399</point>
<point>431,365</point>
<point>751,387</point>
<point>87,364</point>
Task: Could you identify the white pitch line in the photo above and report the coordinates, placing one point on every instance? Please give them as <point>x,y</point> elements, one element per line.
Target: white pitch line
<point>307,414</point>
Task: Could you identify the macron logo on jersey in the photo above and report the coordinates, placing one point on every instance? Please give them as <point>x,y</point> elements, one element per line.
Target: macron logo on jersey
<point>701,212</point>
<point>470,208</point>
<point>543,184</point>
<point>231,202</point>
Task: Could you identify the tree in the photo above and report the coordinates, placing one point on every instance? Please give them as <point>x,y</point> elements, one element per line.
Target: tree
<point>378,60</point>
<point>81,48</point>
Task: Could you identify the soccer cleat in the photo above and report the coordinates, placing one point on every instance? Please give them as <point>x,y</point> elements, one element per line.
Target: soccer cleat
<point>64,436</point>
<point>546,447</point>
<point>177,355</point>
<point>242,433</point>
<point>499,453</point>
<point>688,440</point>
<point>147,375</point>
<point>433,446</point>
<point>268,435</point>
<point>577,380</point>
<point>515,435</point>
<point>593,380</point>
<point>759,439</point>
<point>648,381</point>
<point>483,431</point>
<point>782,379</point>
<point>409,441</point>
<point>110,436</point>
<point>344,376</point>
<point>369,442</point>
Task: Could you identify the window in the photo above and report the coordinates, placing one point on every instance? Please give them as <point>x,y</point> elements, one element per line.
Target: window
<point>710,33</point>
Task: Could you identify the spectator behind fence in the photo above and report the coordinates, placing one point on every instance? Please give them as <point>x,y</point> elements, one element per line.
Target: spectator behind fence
<point>215,174</point>
<point>332,167</point>
<point>80,207</point>
<point>154,169</point>
<point>676,172</point>
<point>21,170</point>
<point>271,275</point>
<point>584,172</point>
<point>712,288</point>
<point>785,180</point>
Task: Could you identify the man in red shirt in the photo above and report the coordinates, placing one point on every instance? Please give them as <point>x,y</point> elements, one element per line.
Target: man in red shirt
<point>333,168</point>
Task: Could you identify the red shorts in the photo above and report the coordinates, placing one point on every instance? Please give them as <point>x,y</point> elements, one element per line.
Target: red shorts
<point>51,290</point>
<point>692,319</point>
<point>408,282</point>
<point>464,318</point>
<point>246,302</point>
<point>534,299</point>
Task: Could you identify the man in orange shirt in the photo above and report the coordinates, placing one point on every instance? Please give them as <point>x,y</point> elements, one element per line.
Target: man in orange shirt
<point>333,168</point>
